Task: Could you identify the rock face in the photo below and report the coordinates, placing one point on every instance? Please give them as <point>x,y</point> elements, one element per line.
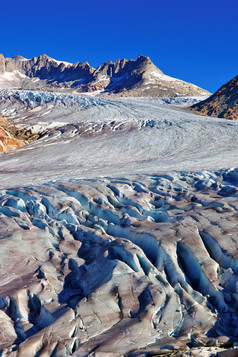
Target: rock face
<point>2,64</point>
<point>8,142</point>
<point>223,103</point>
<point>121,78</point>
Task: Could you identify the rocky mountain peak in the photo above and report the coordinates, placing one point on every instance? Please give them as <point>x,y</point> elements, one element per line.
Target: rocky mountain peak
<point>43,56</point>
<point>143,67</point>
<point>143,58</point>
<point>43,59</point>
<point>84,63</point>
<point>145,62</point>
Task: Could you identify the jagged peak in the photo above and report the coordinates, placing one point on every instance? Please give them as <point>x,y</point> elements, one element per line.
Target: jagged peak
<point>84,63</point>
<point>143,58</point>
<point>102,65</point>
<point>123,60</point>
<point>18,57</point>
<point>44,56</point>
<point>140,59</point>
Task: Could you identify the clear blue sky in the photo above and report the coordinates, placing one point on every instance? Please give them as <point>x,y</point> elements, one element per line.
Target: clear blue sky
<point>194,40</point>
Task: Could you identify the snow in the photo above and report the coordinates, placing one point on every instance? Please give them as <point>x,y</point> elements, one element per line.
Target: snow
<point>90,94</point>
<point>10,76</point>
<point>155,76</point>
<point>102,78</point>
<point>11,79</point>
<point>59,62</point>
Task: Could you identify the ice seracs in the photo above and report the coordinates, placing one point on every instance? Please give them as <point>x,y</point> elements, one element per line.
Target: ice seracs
<point>119,265</point>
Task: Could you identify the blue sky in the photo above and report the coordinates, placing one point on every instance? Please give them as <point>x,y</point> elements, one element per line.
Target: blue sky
<point>194,40</point>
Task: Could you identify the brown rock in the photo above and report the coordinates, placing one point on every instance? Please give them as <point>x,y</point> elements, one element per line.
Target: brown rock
<point>9,144</point>
<point>223,103</point>
<point>7,141</point>
<point>3,121</point>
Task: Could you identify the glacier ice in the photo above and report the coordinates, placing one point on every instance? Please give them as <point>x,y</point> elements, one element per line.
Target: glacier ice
<point>118,228</point>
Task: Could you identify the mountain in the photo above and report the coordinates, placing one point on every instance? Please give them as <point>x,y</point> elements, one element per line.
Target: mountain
<point>223,103</point>
<point>120,78</point>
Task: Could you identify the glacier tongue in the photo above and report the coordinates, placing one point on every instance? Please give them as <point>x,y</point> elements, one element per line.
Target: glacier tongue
<point>118,228</point>
<point>84,137</point>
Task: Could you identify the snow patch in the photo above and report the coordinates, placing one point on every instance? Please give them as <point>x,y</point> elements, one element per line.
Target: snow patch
<point>60,62</point>
<point>9,80</point>
<point>154,76</point>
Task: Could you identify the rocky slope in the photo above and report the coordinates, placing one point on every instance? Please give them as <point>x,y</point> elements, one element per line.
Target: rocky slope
<point>9,137</point>
<point>223,103</point>
<point>122,78</point>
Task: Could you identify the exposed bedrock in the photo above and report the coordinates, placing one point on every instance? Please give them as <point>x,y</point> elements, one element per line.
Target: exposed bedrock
<point>119,267</point>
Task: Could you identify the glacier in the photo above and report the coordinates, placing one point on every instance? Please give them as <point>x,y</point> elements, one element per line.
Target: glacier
<point>118,228</point>
<point>90,137</point>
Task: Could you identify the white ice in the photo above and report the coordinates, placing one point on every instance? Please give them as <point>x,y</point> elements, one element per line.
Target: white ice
<point>87,137</point>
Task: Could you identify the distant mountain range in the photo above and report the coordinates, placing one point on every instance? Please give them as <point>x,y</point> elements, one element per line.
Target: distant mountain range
<point>223,103</point>
<point>122,78</point>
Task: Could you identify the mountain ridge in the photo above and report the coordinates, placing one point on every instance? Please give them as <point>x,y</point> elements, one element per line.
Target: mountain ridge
<point>120,78</point>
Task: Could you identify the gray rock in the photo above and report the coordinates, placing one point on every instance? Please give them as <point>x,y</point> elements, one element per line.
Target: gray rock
<point>223,339</point>
<point>2,64</point>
